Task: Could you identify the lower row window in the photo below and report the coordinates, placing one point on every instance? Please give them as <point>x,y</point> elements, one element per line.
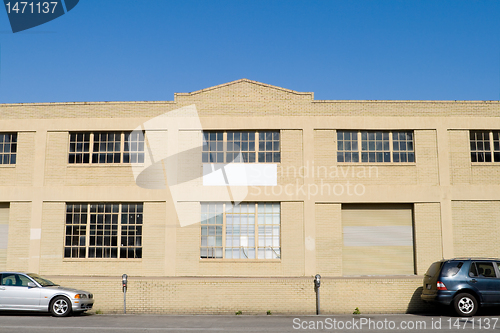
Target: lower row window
<point>242,231</point>
<point>103,230</point>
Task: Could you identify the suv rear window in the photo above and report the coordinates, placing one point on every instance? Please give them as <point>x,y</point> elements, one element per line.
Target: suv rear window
<point>451,268</point>
<point>434,269</point>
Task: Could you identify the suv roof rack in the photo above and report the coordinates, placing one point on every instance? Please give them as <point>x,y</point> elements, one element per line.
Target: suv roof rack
<point>474,258</point>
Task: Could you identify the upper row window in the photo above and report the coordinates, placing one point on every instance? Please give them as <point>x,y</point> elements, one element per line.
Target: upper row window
<point>485,146</point>
<point>241,147</point>
<point>106,147</point>
<point>376,146</point>
<point>8,148</point>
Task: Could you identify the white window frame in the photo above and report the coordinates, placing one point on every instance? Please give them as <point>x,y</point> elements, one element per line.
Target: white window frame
<point>87,235</point>
<point>256,145</point>
<point>391,150</point>
<point>492,151</point>
<point>122,151</point>
<point>12,144</point>
<point>261,249</point>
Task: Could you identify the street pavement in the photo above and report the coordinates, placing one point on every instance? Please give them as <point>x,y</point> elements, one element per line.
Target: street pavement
<point>44,323</point>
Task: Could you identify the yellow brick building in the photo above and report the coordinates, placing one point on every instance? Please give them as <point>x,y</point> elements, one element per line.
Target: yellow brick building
<point>233,197</point>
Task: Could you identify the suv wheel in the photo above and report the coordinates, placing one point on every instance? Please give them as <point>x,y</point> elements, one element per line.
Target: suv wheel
<point>60,307</point>
<point>465,305</point>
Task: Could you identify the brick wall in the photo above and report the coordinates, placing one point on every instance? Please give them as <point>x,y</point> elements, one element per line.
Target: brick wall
<point>21,173</point>
<point>188,262</point>
<point>427,232</point>
<point>329,239</point>
<point>328,171</point>
<point>460,164</point>
<point>171,252</point>
<point>181,295</point>
<point>476,228</point>
<point>59,172</point>
<point>19,236</point>
<point>291,157</point>
<point>52,246</point>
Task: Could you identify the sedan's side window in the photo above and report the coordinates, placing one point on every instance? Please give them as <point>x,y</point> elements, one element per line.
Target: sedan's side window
<point>15,280</point>
<point>8,279</point>
<point>22,281</point>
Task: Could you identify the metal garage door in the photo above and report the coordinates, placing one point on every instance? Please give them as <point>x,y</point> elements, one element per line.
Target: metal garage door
<point>377,239</point>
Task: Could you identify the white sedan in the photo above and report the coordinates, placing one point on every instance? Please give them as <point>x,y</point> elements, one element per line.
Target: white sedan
<point>31,292</point>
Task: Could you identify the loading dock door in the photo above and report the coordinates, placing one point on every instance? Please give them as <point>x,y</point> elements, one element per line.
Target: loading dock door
<point>377,239</point>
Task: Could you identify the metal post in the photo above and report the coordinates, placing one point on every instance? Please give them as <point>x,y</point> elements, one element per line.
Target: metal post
<point>124,286</point>
<point>317,284</point>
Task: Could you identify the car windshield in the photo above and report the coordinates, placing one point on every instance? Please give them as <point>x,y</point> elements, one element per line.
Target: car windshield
<point>41,281</point>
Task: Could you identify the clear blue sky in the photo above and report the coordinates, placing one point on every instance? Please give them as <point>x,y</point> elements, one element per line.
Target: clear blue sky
<point>121,50</point>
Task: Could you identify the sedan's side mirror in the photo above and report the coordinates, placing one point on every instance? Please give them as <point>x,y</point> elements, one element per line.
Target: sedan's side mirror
<point>31,285</point>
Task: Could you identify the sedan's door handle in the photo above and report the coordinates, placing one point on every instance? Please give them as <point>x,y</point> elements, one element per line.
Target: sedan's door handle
<point>2,288</point>
<point>473,280</point>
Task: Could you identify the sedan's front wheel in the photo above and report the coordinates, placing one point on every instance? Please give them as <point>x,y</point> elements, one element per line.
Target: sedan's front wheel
<point>465,305</point>
<point>60,307</point>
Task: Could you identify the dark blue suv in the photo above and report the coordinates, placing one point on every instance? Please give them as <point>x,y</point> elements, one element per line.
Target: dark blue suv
<point>465,283</point>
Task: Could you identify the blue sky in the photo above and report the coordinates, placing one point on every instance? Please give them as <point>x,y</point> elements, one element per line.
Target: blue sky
<point>121,50</point>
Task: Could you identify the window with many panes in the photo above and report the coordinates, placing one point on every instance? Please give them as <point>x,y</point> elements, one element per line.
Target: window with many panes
<point>485,146</point>
<point>8,148</point>
<point>241,147</point>
<point>103,230</point>
<point>243,231</point>
<point>106,147</point>
<point>375,146</point>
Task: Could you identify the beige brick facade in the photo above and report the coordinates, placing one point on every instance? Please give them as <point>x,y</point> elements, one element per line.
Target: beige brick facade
<point>454,203</point>
<point>468,216</point>
<point>222,295</point>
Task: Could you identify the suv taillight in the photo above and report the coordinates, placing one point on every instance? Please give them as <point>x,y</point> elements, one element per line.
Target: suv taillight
<point>441,286</point>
